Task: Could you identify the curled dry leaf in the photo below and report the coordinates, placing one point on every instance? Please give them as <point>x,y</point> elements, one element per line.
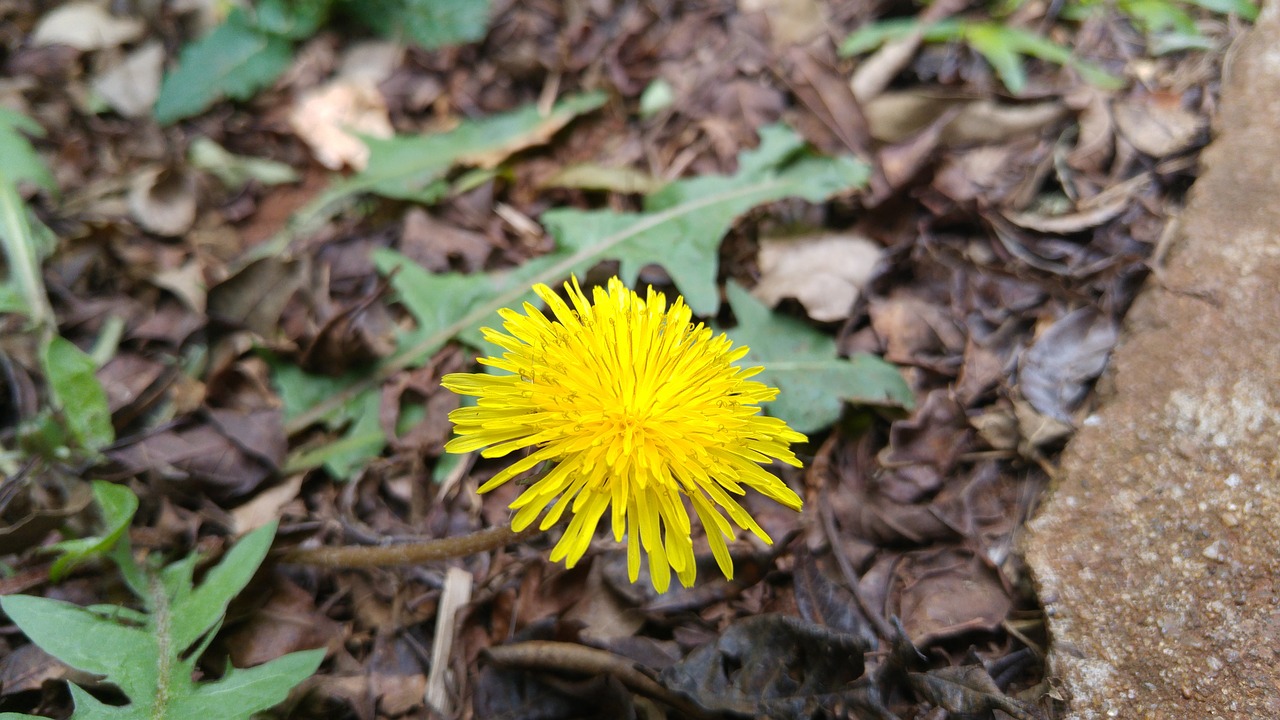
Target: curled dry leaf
<point>326,117</point>
<point>946,592</point>
<point>896,116</point>
<point>824,272</point>
<point>131,88</point>
<point>86,26</point>
<point>774,665</point>
<point>163,201</point>
<point>1056,370</point>
<point>791,22</point>
<point>1158,125</point>
<point>1106,209</point>
<point>969,690</point>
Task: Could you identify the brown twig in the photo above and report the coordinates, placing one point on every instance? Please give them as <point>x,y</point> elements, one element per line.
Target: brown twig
<point>569,657</point>
<point>414,553</point>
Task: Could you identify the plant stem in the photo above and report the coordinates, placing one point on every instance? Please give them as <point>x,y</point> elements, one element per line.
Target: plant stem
<point>416,553</point>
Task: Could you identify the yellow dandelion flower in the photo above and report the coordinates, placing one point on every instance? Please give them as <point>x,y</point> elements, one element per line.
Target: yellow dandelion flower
<point>636,406</point>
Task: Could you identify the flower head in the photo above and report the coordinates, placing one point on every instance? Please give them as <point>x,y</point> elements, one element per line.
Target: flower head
<point>636,406</point>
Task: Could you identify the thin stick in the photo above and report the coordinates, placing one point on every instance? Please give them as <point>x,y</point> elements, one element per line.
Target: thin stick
<point>416,553</point>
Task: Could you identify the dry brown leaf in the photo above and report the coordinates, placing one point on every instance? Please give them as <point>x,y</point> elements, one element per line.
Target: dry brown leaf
<point>1157,126</point>
<point>824,272</point>
<point>325,118</point>
<point>895,116</point>
<point>265,506</point>
<point>131,88</point>
<point>163,201</point>
<point>791,22</point>
<point>86,26</point>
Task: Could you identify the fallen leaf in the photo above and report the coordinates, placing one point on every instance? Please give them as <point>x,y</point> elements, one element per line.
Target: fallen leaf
<point>131,88</point>
<point>86,26</point>
<point>1158,125</point>
<point>1055,372</point>
<point>439,246</point>
<point>824,272</point>
<point>328,119</point>
<point>945,592</point>
<point>588,176</point>
<point>265,507</point>
<point>968,690</point>
<point>288,622</point>
<point>791,22</point>
<point>234,171</point>
<point>895,116</point>
<point>774,665</point>
<point>1106,207</point>
<point>163,201</point>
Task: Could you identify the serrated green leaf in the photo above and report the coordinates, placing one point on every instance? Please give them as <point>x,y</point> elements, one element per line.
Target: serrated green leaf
<point>680,229</point>
<point>410,167</point>
<point>117,505</point>
<point>414,167</point>
<point>151,656</point>
<point>82,639</point>
<point>803,364</point>
<point>77,393</point>
<point>254,689</point>
<point>21,161</point>
<point>684,222</point>
<point>235,61</point>
<point>195,613</point>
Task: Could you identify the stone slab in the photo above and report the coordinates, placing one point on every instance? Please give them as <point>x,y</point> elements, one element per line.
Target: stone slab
<point>1158,552</point>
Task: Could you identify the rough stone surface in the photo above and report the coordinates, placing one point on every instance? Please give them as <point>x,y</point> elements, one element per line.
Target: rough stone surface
<point>1158,552</point>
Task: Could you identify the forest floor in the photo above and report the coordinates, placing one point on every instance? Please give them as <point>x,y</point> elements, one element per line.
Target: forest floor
<point>264,304</point>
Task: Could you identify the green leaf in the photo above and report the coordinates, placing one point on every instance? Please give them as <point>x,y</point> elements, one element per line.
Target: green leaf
<point>21,161</point>
<point>409,167</point>
<point>151,656</point>
<point>589,176</point>
<point>1246,9</point>
<point>873,35</point>
<point>194,612</point>
<point>235,60</point>
<point>77,393</point>
<point>255,689</point>
<point>802,363</point>
<point>994,43</point>
<point>22,249</point>
<point>428,23</point>
<point>117,505</point>
<point>11,300</point>
<point>236,170</point>
<point>684,222</point>
<point>293,19</point>
<point>414,167</point>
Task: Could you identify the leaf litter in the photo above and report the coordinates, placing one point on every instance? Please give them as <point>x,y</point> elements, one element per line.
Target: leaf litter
<point>1001,240</point>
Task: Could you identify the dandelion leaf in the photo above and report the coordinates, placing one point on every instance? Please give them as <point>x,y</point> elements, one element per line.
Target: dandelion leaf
<point>22,162</point>
<point>802,362</point>
<point>235,60</point>
<point>151,656</point>
<point>683,223</point>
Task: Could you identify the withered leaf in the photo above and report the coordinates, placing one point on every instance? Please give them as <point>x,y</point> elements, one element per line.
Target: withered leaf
<point>968,689</point>
<point>774,665</point>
